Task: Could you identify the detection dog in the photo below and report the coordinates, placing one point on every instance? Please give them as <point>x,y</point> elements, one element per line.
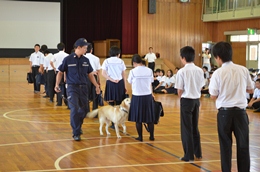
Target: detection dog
<point>117,114</point>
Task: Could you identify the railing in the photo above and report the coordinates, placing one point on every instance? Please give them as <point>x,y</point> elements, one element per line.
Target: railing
<point>218,6</point>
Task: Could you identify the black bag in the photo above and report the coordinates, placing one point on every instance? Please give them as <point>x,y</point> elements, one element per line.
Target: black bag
<point>158,112</point>
<point>40,79</point>
<point>100,99</point>
<point>29,78</point>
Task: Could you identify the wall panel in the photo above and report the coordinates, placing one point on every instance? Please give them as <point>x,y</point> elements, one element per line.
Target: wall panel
<point>173,26</point>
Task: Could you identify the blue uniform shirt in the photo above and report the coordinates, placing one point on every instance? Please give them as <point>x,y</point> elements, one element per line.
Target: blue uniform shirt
<point>77,69</point>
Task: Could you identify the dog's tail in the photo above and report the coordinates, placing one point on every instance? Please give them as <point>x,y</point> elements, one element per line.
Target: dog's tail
<point>92,114</point>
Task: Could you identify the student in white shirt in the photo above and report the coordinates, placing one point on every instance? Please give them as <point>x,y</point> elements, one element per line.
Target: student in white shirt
<point>255,101</point>
<point>142,108</point>
<point>169,83</point>
<point>206,59</point>
<point>56,61</point>
<point>51,76</point>
<point>189,81</point>
<point>150,57</point>
<point>161,78</point>
<point>228,86</point>
<point>95,63</point>
<point>36,60</point>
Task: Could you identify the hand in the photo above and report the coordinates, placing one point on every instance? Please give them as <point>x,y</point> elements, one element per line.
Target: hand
<point>250,104</point>
<point>57,89</point>
<point>97,90</point>
<point>115,81</point>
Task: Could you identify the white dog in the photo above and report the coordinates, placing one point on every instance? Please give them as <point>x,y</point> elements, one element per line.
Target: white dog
<point>116,114</point>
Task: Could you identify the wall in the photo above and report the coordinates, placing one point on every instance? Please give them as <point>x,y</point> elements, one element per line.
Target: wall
<point>173,26</point>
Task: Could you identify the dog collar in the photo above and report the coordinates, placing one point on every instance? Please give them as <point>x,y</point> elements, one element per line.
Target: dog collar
<point>121,108</point>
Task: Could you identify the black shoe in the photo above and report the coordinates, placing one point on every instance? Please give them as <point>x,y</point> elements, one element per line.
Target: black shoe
<point>58,104</point>
<point>46,96</point>
<point>51,101</point>
<point>186,160</point>
<point>76,138</point>
<point>151,138</point>
<point>139,139</point>
<point>198,157</point>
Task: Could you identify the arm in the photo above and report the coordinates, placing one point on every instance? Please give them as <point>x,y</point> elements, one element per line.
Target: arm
<point>180,93</point>
<point>52,65</point>
<point>93,80</point>
<point>104,73</point>
<point>158,85</point>
<point>124,77</point>
<point>30,67</point>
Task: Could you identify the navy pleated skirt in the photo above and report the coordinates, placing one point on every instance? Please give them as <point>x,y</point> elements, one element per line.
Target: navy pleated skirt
<point>142,109</point>
<point>115,91</point>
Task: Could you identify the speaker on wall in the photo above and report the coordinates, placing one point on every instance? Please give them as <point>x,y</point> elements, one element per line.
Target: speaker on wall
<point>152,6</point>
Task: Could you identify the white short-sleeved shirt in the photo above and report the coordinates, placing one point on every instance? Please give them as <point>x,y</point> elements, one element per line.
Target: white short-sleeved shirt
<point>190,79</point>
<point>37,58</point>
<point>151,57</point>
<point>58,58</point>
<point>159,78</point>
<point>169,81</point>
<point>206,58</point>
<point>256,94</point>
<point>141,78</point>
<point>94,61</point>
<point>229,83</point>
<point>47,61</point>
<point>163,80</point>
<point>114,67</point>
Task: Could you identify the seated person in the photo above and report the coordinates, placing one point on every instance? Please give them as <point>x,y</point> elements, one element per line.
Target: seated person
<point>161,84</point>
<point>169,83</point>
<point>249,95</point>
<point>255,101</point>
<point>157,78</point>
<point>205,89</point>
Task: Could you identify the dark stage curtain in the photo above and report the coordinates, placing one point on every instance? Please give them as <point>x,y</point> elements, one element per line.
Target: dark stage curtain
<point>130,27</point>
<point>93,20</point>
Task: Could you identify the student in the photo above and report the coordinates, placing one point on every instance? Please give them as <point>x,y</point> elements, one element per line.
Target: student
<point>189,81</point>
<point>150,57</point>
<point>206,59</point>
<point>142,108</point>
<point>169,83</point>
<point>157,78</point>
<point>78,73</point>
<point>255,101</point>
<point>95,63</point>
<point>36,60</point>
<point>228,86</point>
<point>56,61</point>
<point>51,75</point>
<point>162,83</point>
<point>113,70</point>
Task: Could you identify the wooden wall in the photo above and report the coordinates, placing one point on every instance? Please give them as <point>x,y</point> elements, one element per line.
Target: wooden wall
<point>178,24</point>
<point>173,26</point>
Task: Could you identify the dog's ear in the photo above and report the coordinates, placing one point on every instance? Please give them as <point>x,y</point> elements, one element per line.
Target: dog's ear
<point>123,103</point>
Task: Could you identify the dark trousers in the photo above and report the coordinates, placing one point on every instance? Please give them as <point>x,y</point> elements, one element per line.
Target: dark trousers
<point>35,71</point>
<point>46,87</point>
<point>151,65</point>
<point>51,83</point>
<point>79,106</point>
<point>256,105</point>
<point>190,134</point>
<point>234,121</point>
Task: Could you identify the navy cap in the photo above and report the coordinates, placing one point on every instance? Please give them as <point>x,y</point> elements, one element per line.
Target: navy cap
<point>81,42</point>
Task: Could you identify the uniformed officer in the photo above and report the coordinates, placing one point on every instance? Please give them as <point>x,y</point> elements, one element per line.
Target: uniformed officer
<point>78,70</point>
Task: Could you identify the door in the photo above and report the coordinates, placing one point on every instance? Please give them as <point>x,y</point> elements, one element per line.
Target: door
<point>252,60</point>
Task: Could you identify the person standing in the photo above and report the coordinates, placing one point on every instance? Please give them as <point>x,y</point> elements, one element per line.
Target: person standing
<point>142,107</point>
<point>228,86</point>
<point>95,63</point>
<point>78,73</point>
<point>150,57</point>
<point>56,61</point>
<point>36,60</point>
<point>189,81</point>
<point>206,59</point>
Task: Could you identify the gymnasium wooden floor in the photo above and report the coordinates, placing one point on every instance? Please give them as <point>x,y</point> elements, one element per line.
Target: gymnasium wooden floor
<point>35,135</point>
